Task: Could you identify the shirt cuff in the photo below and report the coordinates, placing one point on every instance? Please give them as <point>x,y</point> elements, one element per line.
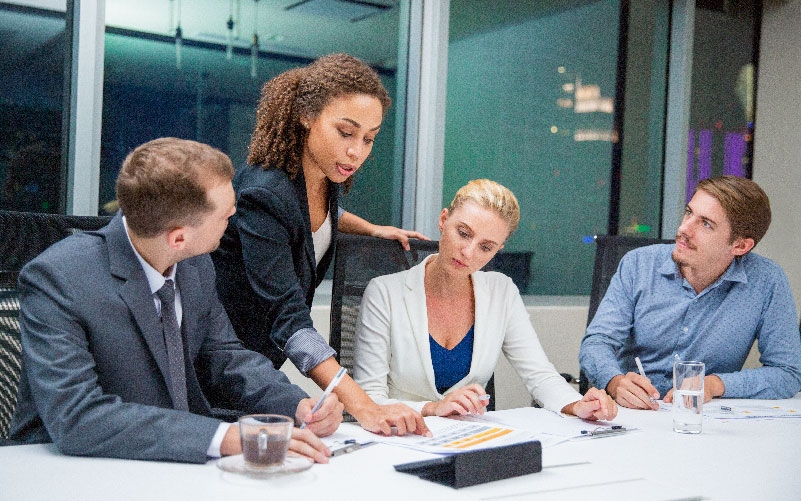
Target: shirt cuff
<point>558,402</point>
<point>733,385</point>
<point>216,440</point>
<point>307,349</point>
<point>599,374</point>
<point>340,211</point>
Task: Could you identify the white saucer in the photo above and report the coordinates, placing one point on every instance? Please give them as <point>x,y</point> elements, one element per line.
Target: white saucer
<point>237,464</point>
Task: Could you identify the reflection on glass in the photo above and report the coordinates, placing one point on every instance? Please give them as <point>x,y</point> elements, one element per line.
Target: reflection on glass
<point>642,130</point>
<point>212,97</point>
<point>32,105</point>
<point>722,94</point>
<point>530,104</point>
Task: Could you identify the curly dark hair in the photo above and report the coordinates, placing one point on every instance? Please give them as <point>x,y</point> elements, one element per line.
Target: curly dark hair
<point>302,93</point>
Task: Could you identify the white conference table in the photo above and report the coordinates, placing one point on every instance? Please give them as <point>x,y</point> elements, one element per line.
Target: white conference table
<point>734,459</point>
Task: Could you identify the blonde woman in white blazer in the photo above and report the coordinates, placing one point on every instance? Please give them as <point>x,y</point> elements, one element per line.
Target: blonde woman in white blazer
<point>446,300</point>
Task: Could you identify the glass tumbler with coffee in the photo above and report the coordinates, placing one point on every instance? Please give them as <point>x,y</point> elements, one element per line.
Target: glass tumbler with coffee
<point>265,439</point>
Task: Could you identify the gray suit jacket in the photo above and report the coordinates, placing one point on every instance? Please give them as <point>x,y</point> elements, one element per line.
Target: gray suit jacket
<point>95,374</point>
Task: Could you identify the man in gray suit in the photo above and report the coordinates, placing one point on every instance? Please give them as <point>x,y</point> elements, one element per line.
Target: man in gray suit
<point>126,347</point>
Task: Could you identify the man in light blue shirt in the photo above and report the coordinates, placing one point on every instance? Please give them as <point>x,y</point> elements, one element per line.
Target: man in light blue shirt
<point>706,298</point>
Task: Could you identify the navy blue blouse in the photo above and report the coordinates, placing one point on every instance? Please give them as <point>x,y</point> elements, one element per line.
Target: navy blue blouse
<point>451,366</point>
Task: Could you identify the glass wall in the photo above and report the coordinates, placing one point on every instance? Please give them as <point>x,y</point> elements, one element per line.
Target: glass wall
<point>563,101</point>
<point>723,90</point>
<point>530,104</point>
<point>34,101</point>
<point>637,164</point>
<point>153,88</point>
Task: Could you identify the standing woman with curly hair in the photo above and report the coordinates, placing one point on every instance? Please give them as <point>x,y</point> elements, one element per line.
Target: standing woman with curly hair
<point>315,126</point>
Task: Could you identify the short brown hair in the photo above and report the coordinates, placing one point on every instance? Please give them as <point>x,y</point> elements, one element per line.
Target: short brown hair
<point>302,93</point>
<point>162,184</point>
<point>746,206</point>
<point>490,195</point>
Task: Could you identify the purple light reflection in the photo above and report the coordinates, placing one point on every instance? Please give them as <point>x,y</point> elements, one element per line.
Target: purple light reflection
<point>734,147</point>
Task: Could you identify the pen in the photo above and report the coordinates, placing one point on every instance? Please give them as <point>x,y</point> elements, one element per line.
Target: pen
<point>483,398</point>
<point>328,389</point>
<point>350,446</point>
<point>608,431</point>
<point>642,373</point>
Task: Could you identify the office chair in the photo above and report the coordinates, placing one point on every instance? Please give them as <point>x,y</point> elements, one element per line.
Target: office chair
<point>24,236</point>
<point>358,260</point>
<point>609,250</point>
<point>515,265</point>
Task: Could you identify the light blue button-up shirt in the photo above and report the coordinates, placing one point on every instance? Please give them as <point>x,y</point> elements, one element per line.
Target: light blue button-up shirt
<point>651,311</point>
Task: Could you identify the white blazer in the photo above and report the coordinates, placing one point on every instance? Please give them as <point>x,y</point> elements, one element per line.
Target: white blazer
<point>393,356</point>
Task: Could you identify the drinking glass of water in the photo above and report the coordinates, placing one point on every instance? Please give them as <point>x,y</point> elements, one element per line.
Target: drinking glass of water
<point>688,396</point>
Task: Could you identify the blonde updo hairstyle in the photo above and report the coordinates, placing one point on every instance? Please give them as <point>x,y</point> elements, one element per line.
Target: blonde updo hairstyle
<point>490,195</point>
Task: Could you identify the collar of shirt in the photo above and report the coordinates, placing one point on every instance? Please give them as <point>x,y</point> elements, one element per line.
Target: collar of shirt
<point>734,273</point>
<point>154,279</point>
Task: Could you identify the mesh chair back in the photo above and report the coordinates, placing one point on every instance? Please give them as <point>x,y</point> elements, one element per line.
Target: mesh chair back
<point>358,260</point>
<point>10,348</point>
<point>515,265</point>
<point>23,236</point>
<point>609,250</point>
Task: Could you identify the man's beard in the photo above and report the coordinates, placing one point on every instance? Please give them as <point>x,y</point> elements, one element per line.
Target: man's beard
<point>673,256</point>
<point>678,262</point>
<point>676,259</point>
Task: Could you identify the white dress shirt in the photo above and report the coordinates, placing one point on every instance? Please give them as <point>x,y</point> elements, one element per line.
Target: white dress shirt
<point>322,238</point>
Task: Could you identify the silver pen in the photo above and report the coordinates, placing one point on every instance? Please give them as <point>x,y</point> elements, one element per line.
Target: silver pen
<point>642,373</point>
<point>328,389</point>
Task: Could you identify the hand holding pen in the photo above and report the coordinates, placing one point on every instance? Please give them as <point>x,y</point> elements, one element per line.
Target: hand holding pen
<point>642,373</point>
<point>634,390</point>
<point>327,401</point>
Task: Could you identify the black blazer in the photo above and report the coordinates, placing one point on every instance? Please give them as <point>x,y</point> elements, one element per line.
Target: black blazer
<point>95,378</point>
<point>266,271</point>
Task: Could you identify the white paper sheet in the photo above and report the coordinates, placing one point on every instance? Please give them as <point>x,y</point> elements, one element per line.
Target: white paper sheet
<point>549,427</point>
<point>453,436</point>
<point>748,410</point>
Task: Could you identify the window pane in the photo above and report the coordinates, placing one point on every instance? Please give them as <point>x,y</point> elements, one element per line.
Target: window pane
<point>643,122</point>
<point>213,99</point>
<point>530,104</point>
<point>33,99</point>
<point>723,91</point>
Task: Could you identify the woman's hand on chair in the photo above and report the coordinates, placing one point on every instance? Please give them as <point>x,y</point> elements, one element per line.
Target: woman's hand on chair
<point>399,234</point>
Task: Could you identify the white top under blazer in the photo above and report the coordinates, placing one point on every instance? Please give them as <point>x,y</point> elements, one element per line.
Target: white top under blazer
<point>392,353</point>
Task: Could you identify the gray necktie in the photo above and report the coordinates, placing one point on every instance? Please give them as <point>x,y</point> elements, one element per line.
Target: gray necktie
<point>175,346</point>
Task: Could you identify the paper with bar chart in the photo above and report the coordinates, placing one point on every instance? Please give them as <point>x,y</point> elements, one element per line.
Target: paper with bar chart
<point>452,436</point>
